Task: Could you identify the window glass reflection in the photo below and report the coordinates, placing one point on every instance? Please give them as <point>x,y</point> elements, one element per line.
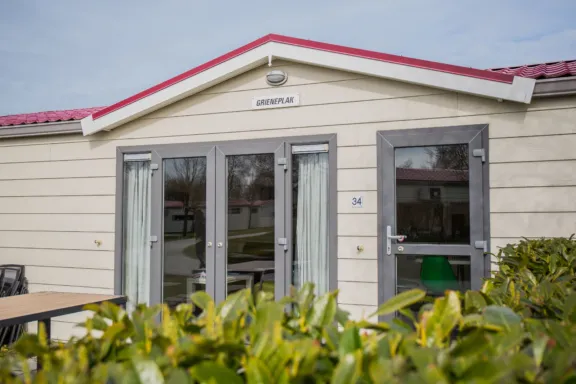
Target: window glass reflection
<point>250,223</point>
<point>432,194</point>
<point>184,228</point>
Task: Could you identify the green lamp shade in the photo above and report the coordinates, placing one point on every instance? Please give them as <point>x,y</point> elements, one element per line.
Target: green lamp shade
<point>437,274</point>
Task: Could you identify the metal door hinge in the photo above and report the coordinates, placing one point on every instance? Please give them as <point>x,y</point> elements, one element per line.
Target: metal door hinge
<point>481,244</point>
<point>282,161</point>
<point>154,167</point>
<point>283,241</point>
<point>481,152</point>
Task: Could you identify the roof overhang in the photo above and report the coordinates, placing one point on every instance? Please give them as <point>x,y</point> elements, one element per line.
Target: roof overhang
<point>561,86</point>
<point>39,129</point>
<point>437,75</point>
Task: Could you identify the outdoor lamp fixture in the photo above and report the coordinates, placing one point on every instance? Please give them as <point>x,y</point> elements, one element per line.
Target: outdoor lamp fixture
<point>276,77</point>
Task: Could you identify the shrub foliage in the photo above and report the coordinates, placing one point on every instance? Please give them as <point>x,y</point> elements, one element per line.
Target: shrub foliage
<point>520,328</point>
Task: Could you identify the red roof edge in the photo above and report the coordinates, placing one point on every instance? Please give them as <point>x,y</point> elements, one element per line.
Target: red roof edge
<point>47,116</point>
<point>182,76</point>
<point>395,59</point>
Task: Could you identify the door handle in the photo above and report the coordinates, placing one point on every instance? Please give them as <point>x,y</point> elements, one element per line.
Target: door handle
<point>390,237</point>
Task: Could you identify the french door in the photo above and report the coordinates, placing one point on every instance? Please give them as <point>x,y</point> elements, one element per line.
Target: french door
<point>218,220</point>
<point>432,225</point>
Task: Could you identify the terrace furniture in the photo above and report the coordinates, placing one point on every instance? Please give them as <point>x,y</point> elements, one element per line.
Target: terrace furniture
<point>42,306</point>
<point>12,282</point>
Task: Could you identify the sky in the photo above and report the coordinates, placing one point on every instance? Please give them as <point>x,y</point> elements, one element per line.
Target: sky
<point>65,54</point>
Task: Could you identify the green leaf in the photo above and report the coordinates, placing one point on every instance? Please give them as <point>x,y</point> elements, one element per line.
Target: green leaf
<point>148,371</point>
<point>403,300</point>
<point>211,372</point>
<point>234,305</point>
<point>305,297</point>
<point>349,369</point>
<point>200,299</point>
<point>257,373</point>
<point>500,317</point>
<point>323,311</point>
<point>381,371</point>
<point>342,316</point>
<point>178,376</point>
<point>538,348</point>
<point>349,341</point>
<point>474,301</point>
<point>446,314</point>
<point>267,314</point>
<point>109,337</point>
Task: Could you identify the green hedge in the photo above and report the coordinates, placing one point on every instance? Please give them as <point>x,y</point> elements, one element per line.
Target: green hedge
<point>520,328</point>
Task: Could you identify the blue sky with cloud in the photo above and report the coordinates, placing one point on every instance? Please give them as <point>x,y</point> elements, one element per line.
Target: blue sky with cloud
<point>62,54</point>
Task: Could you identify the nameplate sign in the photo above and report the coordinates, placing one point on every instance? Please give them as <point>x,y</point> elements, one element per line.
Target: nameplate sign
<point>265,102</point>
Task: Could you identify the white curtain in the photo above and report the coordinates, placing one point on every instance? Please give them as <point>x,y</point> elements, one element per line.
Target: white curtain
<point>136,232</point>
<point>312,222</point>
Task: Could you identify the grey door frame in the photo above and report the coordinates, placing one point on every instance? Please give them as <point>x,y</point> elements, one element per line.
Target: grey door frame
<point>157,214</point>
<point>157,151</point>
<point>476,136</point>
<point>224,150</point>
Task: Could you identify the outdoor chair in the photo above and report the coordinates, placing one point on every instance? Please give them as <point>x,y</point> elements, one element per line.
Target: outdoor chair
<point>12,282</point>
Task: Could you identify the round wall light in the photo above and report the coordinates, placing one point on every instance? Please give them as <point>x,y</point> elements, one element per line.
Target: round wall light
<point>276,77</point>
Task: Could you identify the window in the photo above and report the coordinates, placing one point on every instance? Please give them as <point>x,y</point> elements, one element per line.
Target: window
<point>310,218</point>
<point>432,194</point>
<point>234,211</point>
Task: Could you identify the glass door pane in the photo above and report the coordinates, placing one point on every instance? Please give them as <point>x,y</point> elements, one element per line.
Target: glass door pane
<point>250,222</point>
<point>184,234</point>
<point>432,207</point>
<point>433,194</point>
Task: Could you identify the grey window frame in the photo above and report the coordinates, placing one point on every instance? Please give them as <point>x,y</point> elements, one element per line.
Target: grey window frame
<point>194,149</point>
<point>476,136</point>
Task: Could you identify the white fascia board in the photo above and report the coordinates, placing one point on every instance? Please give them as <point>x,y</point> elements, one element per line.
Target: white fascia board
<point>185,88</point>
<point>520,90</point>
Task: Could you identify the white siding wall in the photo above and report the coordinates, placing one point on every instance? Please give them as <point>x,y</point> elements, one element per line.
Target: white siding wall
<point>57,193</point>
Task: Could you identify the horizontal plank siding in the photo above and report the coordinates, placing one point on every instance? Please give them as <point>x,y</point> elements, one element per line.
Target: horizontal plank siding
<point>528,174</point>
<point>532,149</point>
<point>358,270</point>
<point>91,278</point>
<point>59,187</point>
<point>58,204</point>
<point>358,293</point>
<point>58,170</point>
<point>58,258</point>
<point>357,224</point>
<point>348,247</point>
<point>67,222</point>
<point>557,224</point>
<point>535,199</point>
<point>57,240</point>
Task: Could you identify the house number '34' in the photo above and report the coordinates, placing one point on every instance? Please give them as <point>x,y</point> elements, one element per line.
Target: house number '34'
<point>357,201</point>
